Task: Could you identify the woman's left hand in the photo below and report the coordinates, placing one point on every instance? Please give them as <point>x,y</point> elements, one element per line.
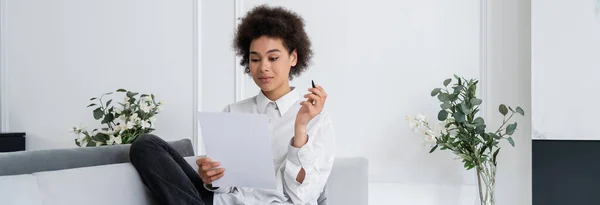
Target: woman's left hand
<point>311,107</point>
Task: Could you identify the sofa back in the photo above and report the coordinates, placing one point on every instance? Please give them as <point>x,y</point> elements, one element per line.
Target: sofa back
<point>27,162</point>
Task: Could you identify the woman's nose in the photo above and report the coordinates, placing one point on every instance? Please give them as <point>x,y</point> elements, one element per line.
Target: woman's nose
<point>264,66</point>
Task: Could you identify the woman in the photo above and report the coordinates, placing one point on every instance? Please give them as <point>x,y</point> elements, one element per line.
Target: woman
<point>274,49</point>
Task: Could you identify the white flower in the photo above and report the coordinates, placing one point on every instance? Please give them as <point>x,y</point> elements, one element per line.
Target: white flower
<point>421,118</point>
<point>147,99</point>
<point>118,140</point>
<point>144,107</point>
<point>130,125</point>
<point>134,117</point>
<point>122,118</point>
<point>98,144</point>
<point>118,110</point>
<point>114,140</point>
<point>152,119</point>
<point>146,124</point>
<point>83,143</point>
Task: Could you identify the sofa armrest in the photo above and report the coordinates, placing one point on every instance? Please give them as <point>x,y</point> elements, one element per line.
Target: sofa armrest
<point>348,182</point>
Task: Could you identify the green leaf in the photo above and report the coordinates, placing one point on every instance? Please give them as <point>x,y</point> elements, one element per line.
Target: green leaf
<point>479,121</point>
<point>143,95</point>
<point>442,115</point>
<point>480,129</point>
<point>102,137</point>
<point>121,90</point>
<point>434,92</point>
<point>446,105</point>
<point>456,76</point>
<point>495,136</point>
<point>108,103</point>
<point>453,97</point>
<point>131,94</point>
<point>520,111</point>
<point>503,110</point>
<point>465,108</point>
<point>433,149</point>
<point>459,117</point>
<point>90,105</point>
<point>444,97</point>
<point>152,95</point>
<point>511,141</point>
<point>108,118</point>
<point>93,98</point>
<point>109,93</point>
<point>458,88</point>
<point>510,129</point>
<point>475,102</point>
<point>495,154</point>
<point>447,81</point>
<point>98,113</point>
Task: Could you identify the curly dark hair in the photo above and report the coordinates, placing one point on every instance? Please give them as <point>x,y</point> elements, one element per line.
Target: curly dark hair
<point>275,22</point>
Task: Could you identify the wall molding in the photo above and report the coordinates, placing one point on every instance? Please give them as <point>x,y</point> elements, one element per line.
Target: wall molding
<point>483,57</point>
<point>239,70</point>
<point>196,74</point>
<point>4,115</point>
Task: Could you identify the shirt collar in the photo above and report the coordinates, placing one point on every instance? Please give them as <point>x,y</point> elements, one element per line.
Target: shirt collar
<point>284,103</point>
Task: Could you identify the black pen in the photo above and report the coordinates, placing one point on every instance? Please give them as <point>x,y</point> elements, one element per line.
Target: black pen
<point>313,85</point>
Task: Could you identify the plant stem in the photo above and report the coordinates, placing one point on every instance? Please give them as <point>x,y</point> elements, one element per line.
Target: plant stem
<point>479,185</point>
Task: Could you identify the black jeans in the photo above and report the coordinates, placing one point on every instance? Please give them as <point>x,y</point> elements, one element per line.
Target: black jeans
<point>166,173</point>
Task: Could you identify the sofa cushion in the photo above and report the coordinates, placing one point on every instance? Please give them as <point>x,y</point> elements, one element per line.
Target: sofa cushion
<point>100,185</point>
<point>19,190</point>
<point>349,181</point>
<point>13,163</point>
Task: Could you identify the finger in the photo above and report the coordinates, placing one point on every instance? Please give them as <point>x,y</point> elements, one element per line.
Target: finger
<point>210,165</point>
<point>317,92</point>
<point>324,94</point>
<point>214,172</point>
<point>214,178</point>
<point>202,160</point>
<point>313,97</point>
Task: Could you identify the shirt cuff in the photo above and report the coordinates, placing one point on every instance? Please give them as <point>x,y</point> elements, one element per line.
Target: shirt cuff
<point>217,189</point>
<point>303,156</point>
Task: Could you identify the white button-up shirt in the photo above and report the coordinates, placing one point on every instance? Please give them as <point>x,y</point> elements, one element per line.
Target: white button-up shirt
<point>316,156</point>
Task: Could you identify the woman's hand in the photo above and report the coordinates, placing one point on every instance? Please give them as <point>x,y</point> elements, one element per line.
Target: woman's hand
<point>312,107</point>
<point>208,170</point>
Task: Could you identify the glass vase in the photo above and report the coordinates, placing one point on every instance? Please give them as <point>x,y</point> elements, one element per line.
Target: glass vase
<point>486,180</point>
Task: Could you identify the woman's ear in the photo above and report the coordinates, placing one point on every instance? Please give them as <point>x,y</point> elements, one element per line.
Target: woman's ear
<point>294,58</point>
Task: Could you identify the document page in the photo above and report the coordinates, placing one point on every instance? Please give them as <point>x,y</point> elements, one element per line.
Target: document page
<point>241,143</point>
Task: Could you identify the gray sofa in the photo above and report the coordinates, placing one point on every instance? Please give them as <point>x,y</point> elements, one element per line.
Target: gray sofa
<point>103,175</point>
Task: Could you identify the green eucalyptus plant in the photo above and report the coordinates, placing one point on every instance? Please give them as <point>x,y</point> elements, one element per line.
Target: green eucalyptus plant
<point>465,134</point>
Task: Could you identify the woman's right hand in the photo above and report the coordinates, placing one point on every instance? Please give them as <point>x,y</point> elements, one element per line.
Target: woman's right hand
<point>208,170</point>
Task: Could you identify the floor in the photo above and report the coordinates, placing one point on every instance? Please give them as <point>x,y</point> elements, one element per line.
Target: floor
<point>421,194</point>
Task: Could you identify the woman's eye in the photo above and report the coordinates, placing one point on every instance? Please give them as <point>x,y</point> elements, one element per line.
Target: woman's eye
<point>254,60</point>
<point>273,59</point>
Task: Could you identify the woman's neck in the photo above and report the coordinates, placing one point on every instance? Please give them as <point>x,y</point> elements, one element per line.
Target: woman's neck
<point>278,92</point>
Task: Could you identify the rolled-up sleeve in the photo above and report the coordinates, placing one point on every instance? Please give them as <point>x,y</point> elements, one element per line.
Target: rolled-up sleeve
<point>316,158</point>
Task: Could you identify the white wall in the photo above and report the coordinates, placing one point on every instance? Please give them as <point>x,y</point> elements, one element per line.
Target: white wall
<point>61,53</point>
<point>565,69</point>
<point>509,82</point>
<point>378,61</point>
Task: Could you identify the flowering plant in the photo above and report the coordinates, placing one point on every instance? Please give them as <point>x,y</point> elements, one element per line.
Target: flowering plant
<point>124,122</point>
<point>462,132</point>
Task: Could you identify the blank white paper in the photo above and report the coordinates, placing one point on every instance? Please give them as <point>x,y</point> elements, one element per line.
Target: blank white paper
<point>241,143</point>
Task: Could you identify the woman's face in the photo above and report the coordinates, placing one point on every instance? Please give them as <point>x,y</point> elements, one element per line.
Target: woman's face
<point>270,63</point>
